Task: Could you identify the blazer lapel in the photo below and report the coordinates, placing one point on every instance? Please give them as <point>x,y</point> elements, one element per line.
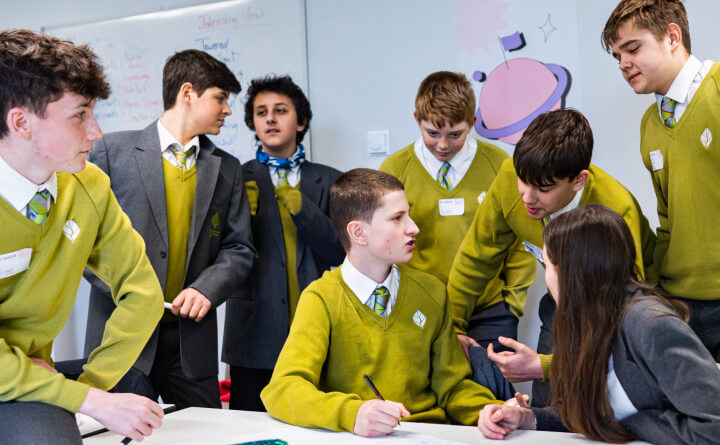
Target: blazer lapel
<point>148,157</point>
<point>207,169</point>
<point>311,187</point>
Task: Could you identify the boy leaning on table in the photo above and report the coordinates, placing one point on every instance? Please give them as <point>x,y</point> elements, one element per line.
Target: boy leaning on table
<point>375,316</point>
<point>58,216</point>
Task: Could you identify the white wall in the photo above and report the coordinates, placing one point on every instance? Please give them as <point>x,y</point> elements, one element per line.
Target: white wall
<point>366,59</point>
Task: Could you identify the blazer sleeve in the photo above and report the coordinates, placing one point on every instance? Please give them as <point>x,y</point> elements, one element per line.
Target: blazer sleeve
<point>235,258</point>
<point>314,225</point>
<point>666,349</point>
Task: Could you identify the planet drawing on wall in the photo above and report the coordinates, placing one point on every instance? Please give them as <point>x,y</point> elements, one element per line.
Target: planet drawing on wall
<point>516,92</point>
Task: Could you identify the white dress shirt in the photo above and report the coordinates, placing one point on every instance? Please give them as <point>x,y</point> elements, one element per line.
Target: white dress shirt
<point>459,164</point>
<point>18,191</point>
<point>364,287</point>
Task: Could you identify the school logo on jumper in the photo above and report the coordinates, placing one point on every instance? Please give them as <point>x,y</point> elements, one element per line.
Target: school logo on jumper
<point>419,319</point>
<point>215,220</point>
<point>481,197</point>
<point>706,138</point>
<point>71,230</point>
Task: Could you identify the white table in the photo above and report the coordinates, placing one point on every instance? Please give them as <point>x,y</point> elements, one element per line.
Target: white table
<point>217,426</point>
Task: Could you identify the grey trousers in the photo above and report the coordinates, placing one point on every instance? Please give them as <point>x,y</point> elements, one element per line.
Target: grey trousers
<point>37,423</point>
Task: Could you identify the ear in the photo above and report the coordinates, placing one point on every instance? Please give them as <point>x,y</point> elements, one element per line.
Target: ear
<point>301,127</point>
<point>185,94</point>
<point>18,122</point>
<point>580,180</point>
<point>473,122</point>
<point>357,233</point>
<point>674,35</point>
<point>415,117</point>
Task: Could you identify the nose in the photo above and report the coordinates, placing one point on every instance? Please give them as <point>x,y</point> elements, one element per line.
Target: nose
<point>412,228</point>
<point>94,132</point>
<point>624,62</point>
<point>442,143</point>
<point>227,111</point>
<point>271,117</point>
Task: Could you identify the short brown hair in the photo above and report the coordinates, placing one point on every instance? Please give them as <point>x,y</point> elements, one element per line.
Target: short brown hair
<point>653,15</point>
<point>556,145</point>
<point>356,195</point>
<point>443,97</point>
<point>37,69</point>
<point>198,68</point>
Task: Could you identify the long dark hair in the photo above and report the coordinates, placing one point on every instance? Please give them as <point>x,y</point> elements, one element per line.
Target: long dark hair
<point>594,255</point>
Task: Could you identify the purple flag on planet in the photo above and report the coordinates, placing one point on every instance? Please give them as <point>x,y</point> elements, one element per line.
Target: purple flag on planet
<point>513,41</point>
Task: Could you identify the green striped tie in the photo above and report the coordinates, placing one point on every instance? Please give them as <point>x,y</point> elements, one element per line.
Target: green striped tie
<point>442,176</point>
<point>282,174</point>
<point>38,207</point>
<point>667,110</point>
<point>382,295</point>
<point>182,157</point>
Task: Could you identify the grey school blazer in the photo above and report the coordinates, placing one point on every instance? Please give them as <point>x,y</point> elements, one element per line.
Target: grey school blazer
<point>669,376</point>
<point>256,319</point>
<point>220,252</point>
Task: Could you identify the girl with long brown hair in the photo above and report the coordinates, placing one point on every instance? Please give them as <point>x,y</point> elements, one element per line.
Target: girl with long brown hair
<point>626,363</point>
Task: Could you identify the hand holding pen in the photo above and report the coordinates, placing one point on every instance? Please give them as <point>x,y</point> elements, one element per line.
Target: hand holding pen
<point>378,417</point>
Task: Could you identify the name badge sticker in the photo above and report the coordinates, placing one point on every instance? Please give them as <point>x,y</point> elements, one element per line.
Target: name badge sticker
<point>15,262</point>
<point>452,207</point>
<point>656,159</point>
<point>534,251</point>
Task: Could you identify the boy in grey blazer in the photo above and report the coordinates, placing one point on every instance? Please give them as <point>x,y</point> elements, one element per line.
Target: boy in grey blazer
<point>294,237</point>
<point>186,198</point>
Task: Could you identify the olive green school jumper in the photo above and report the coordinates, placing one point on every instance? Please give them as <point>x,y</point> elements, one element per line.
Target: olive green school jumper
<point>84,227</point>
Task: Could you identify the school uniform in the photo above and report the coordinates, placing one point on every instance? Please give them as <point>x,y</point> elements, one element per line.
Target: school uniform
<point>42,267</point>
<point>683,162</point>
<point>666,382</point>
<point>444,215</point>
<point>502,220</point>
<point>195,223</point>
<point>412,354</point>
<point>296,242</point>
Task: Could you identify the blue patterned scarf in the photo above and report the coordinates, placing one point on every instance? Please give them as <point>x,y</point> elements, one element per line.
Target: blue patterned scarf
<point>291,162</point>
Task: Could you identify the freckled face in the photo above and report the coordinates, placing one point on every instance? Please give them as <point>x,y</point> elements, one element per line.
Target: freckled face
<point>444,143</point>
<point>391,232</point>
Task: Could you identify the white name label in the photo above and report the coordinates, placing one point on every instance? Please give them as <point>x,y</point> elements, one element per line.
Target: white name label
<point>452,207</point>
<point>14,262</point>
<point>656,159</point>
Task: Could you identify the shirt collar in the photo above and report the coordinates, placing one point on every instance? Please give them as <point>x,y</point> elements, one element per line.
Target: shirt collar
<point>167,140</point>
<point>17,190</point>
<point>571,205</point>
<point>680,87</point>
<point>362,285</point>
<point>456,160</point>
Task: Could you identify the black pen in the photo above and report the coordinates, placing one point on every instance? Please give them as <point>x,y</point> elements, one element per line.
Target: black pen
<point>370,383</point>
<point>125,441</point>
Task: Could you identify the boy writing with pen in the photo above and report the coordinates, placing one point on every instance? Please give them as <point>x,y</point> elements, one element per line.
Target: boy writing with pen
<point>373,315</point>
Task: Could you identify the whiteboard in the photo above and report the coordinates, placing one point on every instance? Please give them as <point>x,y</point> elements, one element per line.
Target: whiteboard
<point>253,37</point>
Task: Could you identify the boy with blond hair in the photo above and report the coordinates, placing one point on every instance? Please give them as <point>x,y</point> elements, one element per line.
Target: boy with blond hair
<point>58,216</point>
<point>375,316</point>
<point>446,174</point>
<point>679,144</point>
